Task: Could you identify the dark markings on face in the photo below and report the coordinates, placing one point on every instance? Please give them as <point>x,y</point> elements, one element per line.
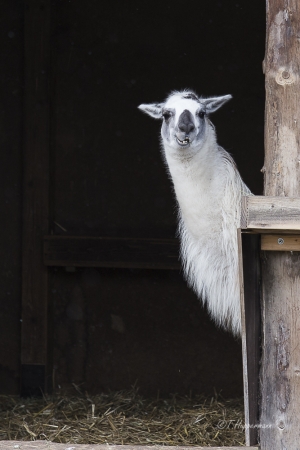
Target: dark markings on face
<point>191,96</point>
<point>188,122</point>
<point>168,114</point>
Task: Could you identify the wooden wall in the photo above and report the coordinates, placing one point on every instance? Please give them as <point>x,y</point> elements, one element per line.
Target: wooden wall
<point>110,328</point>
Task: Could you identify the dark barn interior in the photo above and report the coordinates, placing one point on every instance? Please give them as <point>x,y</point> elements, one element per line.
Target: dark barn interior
<point>113,327</point>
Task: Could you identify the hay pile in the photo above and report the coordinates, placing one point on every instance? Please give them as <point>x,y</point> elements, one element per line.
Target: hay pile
<point>123,417</point>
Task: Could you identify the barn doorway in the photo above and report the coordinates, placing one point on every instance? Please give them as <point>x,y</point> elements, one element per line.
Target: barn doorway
<point>113,327</point>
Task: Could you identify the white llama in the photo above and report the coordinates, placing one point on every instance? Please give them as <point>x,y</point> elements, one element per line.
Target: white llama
<point>208,188</point>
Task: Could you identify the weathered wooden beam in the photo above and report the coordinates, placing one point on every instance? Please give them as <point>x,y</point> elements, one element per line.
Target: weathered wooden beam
<point>111,252</point>
<point>46,445</point>
<point>280,242</point>
<point>262,214</point>
<point>249,272</point>
<point>280,380</point>
<point>35,194</point>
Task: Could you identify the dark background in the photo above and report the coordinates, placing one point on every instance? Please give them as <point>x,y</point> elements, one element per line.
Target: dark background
<point>116,327</point>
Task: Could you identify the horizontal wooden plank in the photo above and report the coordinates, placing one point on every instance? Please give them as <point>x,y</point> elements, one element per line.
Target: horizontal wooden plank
<point>135,253</point>
<point>280,242</point>
<point>46,445</point>
<point>261,214</point>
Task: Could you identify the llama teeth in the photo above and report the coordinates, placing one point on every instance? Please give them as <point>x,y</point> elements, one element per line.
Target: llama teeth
<point>184,142</point>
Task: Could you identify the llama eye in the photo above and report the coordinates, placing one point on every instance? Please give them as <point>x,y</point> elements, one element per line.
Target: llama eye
<point>167,115</point>
<point>201,114</point>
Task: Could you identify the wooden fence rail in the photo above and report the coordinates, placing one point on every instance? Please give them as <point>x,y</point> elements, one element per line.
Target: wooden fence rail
<point>46,445</point>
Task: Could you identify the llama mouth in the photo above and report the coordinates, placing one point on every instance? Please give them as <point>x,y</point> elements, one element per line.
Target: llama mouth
<point>184,143</point>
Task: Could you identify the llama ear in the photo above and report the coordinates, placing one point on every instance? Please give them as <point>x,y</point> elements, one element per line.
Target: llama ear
<point>214,103</point>
<point>153,109</point>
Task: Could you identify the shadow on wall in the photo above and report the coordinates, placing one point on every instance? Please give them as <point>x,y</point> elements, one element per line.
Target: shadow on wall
<point>115,328</point>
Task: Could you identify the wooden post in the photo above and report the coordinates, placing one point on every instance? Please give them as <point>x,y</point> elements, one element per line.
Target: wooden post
<point>249,265</point>
<point>35,196</point>
<point>280,374</point>
<point>46,445</point>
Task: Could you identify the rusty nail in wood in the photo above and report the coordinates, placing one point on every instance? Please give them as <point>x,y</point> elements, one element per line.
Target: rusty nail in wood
<point>285,74</point>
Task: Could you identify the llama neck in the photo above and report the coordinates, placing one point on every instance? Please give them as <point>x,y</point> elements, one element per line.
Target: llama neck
<point>199,188</point>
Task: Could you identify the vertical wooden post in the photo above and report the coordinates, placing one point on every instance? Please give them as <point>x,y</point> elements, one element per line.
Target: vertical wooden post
<point>249,265</point>
<point>35,196</point>
<point>280,375</point>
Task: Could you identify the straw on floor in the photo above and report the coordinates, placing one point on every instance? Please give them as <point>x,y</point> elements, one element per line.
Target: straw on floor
<point>123,417</point>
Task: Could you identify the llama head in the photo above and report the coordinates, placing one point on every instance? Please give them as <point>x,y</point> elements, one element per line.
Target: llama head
<point>185,123</point>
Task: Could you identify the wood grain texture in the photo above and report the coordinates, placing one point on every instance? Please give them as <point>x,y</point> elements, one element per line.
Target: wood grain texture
<point>249,272</point>
<point>262,213</point>
<point>282,65</point>
<point>45,445</point>
<point>111,252</point>
<point>280,242</point>
<point>35,181</point>
<point>281,357</point>
<point>280,380</point>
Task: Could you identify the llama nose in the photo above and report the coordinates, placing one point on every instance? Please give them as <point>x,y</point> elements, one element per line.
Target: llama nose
<point>185,122</point>
<point>186,127</point>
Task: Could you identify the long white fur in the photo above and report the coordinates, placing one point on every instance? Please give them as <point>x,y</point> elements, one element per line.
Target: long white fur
<point>208,188</point>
